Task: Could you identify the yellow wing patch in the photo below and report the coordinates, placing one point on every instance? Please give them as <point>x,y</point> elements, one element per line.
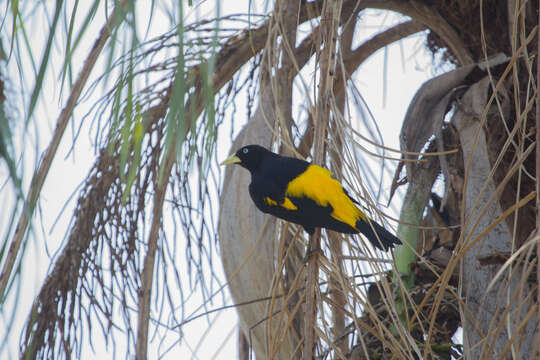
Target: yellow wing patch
<point>287,203</point>
<point>317,184</point>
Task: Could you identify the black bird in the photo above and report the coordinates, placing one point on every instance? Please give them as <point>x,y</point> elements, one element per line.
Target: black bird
<point>306,194</point>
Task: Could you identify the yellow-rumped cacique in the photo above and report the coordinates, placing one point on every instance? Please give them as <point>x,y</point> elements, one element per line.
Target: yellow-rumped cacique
<point>306,194</point>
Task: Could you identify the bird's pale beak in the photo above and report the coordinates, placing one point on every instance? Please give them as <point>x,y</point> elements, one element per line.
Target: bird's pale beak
<point>233,159</point>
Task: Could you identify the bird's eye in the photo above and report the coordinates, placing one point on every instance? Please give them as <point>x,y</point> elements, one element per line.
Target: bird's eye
<point>245,150</point>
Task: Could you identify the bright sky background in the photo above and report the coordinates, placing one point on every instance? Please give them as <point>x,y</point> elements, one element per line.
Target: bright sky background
<point>408,65</point>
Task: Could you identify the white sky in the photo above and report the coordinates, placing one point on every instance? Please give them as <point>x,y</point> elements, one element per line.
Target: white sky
<point>407,67</point>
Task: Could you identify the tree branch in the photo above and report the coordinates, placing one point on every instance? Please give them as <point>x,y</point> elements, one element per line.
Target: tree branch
<point>430,18</point>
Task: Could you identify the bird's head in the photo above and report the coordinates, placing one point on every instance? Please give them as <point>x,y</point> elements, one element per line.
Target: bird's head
<point>249,157</point>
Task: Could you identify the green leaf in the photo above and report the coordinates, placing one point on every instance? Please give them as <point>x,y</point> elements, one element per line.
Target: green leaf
<point>176,117</point>
<point>43,67</point>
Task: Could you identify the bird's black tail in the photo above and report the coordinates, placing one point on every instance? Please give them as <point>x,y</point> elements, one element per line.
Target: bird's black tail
<point>383,239</point>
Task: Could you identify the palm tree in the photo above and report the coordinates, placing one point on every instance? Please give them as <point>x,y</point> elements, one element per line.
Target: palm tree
<point>467,217</point>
